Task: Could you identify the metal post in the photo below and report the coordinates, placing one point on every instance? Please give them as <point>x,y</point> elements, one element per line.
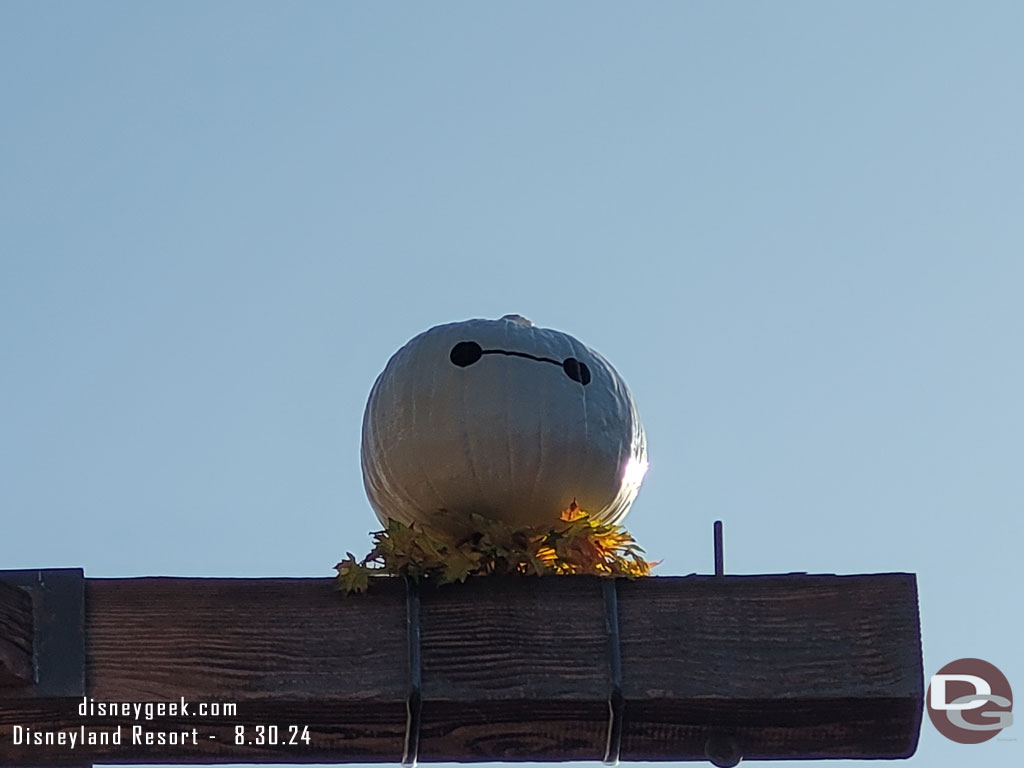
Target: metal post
<point>719,557</point>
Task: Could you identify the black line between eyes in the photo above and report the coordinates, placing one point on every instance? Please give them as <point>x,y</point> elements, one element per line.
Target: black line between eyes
<point>520,354</point>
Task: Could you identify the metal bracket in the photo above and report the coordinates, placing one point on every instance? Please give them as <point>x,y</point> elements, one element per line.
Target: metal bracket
<point>721,749</point>
<point>616,703</point>
<point>57,633</point>
<point>414,703</point>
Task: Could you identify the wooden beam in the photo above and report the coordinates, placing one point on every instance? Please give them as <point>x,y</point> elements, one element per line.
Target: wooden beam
<point>789,666</point>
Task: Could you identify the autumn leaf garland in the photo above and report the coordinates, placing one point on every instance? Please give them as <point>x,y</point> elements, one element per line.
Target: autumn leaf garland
<point>577,545</point>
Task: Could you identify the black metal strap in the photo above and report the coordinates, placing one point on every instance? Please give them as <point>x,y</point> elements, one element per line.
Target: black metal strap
<point>616,704</point>
<point>414,703</point>
<point>58,632</point>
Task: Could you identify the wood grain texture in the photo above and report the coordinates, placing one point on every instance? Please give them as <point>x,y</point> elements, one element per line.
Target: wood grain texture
<point>791,666</point>
<point>513,668</point>
<point>16,668</point>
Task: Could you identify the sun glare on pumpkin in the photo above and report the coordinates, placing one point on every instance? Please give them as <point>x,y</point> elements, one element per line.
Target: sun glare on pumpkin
<point>634,472</point>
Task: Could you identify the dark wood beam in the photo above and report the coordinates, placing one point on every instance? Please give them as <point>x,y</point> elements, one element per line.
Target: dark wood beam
<point>772,667</point>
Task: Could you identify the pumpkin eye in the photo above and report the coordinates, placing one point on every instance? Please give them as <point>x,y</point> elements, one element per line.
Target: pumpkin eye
<point>576,370</point>
<point>466,353</point>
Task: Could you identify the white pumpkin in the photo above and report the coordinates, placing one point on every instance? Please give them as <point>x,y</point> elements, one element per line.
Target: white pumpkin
<point>501,418</point>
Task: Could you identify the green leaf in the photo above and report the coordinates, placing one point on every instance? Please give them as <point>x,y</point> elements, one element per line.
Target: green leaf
<point>352,576</point>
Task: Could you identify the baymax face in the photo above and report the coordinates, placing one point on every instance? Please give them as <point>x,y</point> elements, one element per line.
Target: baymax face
<point>501,418</point>
<point>465,353</point>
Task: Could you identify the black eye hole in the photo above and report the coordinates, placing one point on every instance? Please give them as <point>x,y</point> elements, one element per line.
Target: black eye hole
<point>466,353</point>
<point>576,370</point>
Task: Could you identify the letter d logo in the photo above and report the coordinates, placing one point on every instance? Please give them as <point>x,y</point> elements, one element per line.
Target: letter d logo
<point>937,691</point>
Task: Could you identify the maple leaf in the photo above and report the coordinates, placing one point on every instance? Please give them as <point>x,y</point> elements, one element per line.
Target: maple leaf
<point>575,545</point>
<point>352,576</point>
<point>572,512</point>
<point>459,565</point>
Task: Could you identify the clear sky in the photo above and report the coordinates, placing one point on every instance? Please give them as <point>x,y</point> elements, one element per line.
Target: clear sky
<point>795,228</point>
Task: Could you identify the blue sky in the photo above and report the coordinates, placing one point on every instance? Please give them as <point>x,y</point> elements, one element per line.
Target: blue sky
<point>794,228</point>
